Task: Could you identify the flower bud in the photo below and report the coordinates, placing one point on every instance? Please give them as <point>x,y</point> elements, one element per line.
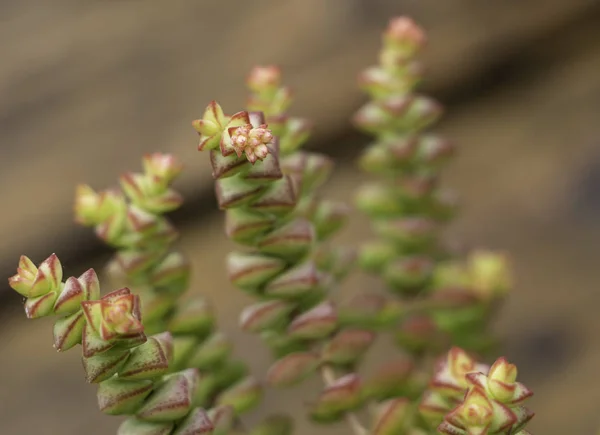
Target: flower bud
<point>392,417</point>
<point>242,396</point>
<point>210,127</point>
<point>264,78</point>
<point>255,142</point>
<point>434,151</point>
<point>342,395</point>
<point>297,281</point>
<point>172,399</point>
<point>115,315</point>
<point>265,315</point>
<point>292,369</point>
<point>501,383</point>
<point>291,241</point>
<point>149,360</point>
<point>450,378</point>
<point>121,397</point>
<point>347,346</point>
<point>474,415</point>
<point>245,226</point>
<point>314,324</point>
<point>405,36</point>
<point>32,282</point>
<point>276,424</point>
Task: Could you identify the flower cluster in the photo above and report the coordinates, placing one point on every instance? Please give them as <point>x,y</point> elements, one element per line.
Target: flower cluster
<point>468,398</point>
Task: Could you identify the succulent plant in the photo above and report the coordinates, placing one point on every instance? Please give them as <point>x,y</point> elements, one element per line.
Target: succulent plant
<point>170,370</point>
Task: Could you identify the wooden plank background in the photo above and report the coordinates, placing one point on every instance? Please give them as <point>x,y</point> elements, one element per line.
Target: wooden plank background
<point>84,96</point>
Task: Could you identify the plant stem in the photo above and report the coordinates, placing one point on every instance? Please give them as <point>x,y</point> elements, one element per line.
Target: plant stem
<point>353,421</point>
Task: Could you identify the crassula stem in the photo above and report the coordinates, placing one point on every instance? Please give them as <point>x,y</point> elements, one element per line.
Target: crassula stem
<point>272,207</point>
<point>133,222</point>
<point>130,368</point>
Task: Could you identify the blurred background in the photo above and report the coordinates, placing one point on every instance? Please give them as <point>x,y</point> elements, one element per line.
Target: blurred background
<point>86,87</point>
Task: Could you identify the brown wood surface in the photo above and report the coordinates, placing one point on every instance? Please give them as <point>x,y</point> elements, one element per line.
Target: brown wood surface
<point>525,148</point>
